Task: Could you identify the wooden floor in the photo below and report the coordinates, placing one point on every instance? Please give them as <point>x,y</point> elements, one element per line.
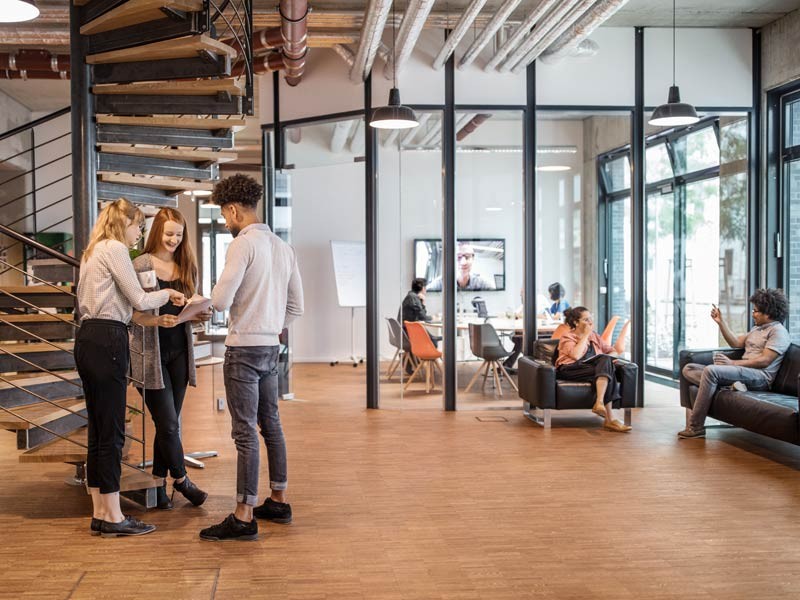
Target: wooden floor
<point>424,504</point>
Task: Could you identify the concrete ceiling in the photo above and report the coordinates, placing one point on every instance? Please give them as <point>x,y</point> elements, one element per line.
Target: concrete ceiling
<point>702,13</point>
<point>38,95</point>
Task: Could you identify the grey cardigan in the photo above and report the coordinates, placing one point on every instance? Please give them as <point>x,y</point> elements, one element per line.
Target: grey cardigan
<point>154,379</point>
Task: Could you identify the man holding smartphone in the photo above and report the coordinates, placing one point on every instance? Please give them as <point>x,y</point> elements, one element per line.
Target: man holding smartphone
<point>764,346</point>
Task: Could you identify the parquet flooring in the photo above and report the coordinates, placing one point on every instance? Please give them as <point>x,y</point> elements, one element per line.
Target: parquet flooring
<point>420,504</point>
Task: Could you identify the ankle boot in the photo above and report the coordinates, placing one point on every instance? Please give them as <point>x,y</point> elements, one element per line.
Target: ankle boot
<point>163,502</point>
<point>190,491</point>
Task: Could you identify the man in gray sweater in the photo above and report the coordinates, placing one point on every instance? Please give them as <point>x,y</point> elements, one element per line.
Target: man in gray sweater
<point>261,286</point>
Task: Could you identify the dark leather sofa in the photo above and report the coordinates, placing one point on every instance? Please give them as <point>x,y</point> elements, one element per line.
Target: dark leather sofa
<point>542,393</point>
<point>774,413</point>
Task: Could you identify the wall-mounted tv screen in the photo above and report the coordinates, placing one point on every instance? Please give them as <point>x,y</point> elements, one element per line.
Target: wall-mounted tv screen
<point>480,266</point>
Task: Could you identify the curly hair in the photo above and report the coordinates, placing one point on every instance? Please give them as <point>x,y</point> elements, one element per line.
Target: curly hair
<point>771,302</point>
<point>573,315</point>
<point>238,188</point>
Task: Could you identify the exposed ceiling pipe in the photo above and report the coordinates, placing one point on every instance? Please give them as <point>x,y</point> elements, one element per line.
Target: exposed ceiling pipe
<point>261,64</point>
<point>25,74</point>
<point>463,25</point>
<point>552,20</point>
<point>520,32</point>
<point>431,133</point>
<point>345,54</point>
<point>570,43</point>
<point>485,36</point>
<point>472,125</point>
<point>383,52</point>
<point>544,43</point>
<point>357,141</point>
<point>294,28</point>
<point>375,17</point>
<point>408,33</point>
<point>584,49</point>
<point>34,60</point>
<point>341,131</point>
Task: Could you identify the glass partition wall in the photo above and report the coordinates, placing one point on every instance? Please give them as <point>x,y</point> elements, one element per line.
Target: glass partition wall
<point>409,247</point>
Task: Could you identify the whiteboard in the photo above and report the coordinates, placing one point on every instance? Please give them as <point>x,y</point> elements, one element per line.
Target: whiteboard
<point>350,271</point>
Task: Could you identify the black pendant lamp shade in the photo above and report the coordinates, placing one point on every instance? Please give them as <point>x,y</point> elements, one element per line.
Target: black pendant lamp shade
<point>394,115</point>
<point>674,112</point>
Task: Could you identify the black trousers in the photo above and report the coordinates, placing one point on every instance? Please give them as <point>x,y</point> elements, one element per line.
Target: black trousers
<point>512,358</point>
<point>602,366</point>
<point>165,408</point>
<point>101,355</point>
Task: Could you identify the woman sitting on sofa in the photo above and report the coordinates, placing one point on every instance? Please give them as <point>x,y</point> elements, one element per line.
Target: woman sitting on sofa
<point>584,356</point>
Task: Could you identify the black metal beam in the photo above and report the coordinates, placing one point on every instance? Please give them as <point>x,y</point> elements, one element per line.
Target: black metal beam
<point>276,120</point>
<point>136,194</point>
<point>131,104</point>
<point>529,210</point>
<point>164,136</point>
<point>638,216</point>
<point>449,292</point>
<point>371,237</point>
<point>158,70</point>
<point>84,191</point>
<point>146,33</point>
<point>148,165</point>
<point>754,241</point>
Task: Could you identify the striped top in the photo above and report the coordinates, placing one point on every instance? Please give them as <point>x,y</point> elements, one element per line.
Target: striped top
<point>109,288</point>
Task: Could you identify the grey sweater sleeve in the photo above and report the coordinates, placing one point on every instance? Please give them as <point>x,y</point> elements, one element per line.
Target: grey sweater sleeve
<point>294,298</point>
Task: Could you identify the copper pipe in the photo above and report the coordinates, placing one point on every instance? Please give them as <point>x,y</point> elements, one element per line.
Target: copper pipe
<point>34,60</point>
<point>25,74</point>
<point>294,28</point>
<point>261,64</point>
<point>472,125</point>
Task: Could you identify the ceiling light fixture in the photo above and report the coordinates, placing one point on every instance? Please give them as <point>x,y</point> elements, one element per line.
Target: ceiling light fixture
<point>394,115</point>
<point>553,168</point>
<point>16,11</point>
<point>674,112</point>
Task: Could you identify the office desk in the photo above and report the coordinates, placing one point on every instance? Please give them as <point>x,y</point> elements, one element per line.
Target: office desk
<point>505,328</point>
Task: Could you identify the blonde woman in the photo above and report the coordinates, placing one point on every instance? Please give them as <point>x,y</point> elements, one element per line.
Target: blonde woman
<point>168,350</point>
<point>108,291</point>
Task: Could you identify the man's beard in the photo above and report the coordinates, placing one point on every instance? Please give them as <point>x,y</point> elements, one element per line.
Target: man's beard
<point>234,231</point>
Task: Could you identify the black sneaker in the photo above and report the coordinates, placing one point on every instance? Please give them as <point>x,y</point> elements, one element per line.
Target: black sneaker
<point>277,512</point>
<point>129,526</point>
<point>190,491</point>
<point>231,529</point>
<point>163,502</point>
<point>94,528</point>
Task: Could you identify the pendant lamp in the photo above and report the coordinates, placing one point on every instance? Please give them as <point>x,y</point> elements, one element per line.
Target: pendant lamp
<point>16,11</point>
<point>674,112</point>
<point>394,115</point>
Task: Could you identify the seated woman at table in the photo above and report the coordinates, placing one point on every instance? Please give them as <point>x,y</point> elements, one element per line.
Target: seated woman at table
<point>584,356</point>
<point>557,293</point>
<point>168,262</point>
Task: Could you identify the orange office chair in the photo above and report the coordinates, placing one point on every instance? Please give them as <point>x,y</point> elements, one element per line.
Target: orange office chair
<point>609,330</point>
<point>425,351</point>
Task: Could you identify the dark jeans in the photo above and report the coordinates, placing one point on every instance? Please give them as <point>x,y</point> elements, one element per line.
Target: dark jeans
<point>165,408</point>
<point>101,355</point>
<point>512,358</point>
<point>602,366</point>
<point>251,384</point>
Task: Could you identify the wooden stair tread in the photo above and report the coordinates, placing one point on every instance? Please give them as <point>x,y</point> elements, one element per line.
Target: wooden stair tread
<point>182,47</point>
<point>209,124</point>
<point>133,12</point>
<point>40,413</point>
<point>40,380</point>
<point>18,290</point>
<point>169,153</point>
<point>197,87</point>
<point>58,450</point>
<point>18,348</point>
<point>132,479</point>
<point>161,183</point>
<point>37,318</point>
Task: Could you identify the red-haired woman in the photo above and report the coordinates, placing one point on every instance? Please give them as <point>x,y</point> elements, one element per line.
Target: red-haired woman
<point>168,262</point>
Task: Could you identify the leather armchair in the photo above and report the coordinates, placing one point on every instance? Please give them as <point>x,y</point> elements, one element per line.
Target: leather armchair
<point>541,390</point>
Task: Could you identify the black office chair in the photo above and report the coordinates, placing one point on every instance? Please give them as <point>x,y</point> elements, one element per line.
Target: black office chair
<point>402,356</point>
<point>485,343</point>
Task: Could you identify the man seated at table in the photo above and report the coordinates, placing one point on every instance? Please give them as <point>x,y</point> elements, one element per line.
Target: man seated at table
<point>764,346</point>
<point>413,309</point>
<point>465,278</point>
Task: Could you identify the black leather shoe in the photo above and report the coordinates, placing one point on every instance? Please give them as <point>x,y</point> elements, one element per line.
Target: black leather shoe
<point>94,528</point>
<point>190,491</point>
<point>231,529</point>
<point>129,526</point>
<point>163,502</point>
<point>277,512</point>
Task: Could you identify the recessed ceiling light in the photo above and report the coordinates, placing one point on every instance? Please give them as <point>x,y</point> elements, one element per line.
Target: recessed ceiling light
<point>553,168</point>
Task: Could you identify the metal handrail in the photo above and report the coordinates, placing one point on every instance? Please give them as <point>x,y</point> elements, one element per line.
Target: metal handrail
<point>39,246</point>
<point>47,185</point>
<point>40,309</point>
<point>35,123</point>
<point>59,289</point>
<point>36,147</point>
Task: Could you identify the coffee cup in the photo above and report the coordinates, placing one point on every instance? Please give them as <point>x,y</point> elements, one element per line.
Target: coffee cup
<point>148,279</point>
